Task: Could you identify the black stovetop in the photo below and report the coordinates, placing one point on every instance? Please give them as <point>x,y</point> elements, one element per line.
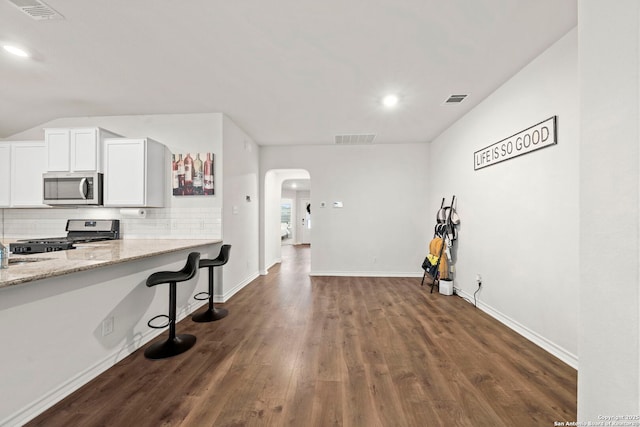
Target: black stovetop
<point>78,231</point>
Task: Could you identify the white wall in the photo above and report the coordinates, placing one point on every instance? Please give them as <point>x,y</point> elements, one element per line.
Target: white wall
<point>182,217</point>
<point>519,218</point>
<point>609,375</point>
<point>240,220</point>
<point>383,228</point>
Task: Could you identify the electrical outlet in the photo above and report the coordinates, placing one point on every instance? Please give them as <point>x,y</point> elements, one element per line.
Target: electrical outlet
<point>107,326</point>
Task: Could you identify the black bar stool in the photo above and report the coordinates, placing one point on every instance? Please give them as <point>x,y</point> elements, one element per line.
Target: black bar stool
<point>212,313</point>
<point>175,344</point>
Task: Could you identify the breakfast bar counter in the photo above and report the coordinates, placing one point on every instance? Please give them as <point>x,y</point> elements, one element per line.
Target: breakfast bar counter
<point>86,256</point>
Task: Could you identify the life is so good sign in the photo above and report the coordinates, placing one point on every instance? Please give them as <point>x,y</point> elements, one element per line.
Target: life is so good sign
<point>531,139</point>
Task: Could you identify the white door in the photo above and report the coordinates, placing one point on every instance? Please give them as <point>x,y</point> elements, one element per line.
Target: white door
<point>304,220</point>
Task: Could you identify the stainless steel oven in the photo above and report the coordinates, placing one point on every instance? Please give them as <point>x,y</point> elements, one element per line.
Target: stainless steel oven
<point>69,188</point>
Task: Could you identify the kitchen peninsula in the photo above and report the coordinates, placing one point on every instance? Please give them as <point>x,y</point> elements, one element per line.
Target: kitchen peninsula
<point>86,256</point>
<point>70,315</point>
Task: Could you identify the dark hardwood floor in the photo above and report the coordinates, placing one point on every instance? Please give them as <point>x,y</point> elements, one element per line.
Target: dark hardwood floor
<point>323,351</point>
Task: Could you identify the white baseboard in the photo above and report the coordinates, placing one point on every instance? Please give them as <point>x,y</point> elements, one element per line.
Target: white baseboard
<point>561,353</point>
<point>266,270</point>
<point>365,273</point>
<point>231,292</point>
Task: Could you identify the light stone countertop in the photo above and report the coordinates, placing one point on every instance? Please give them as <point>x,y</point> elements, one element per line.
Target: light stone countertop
<point>87,256</point>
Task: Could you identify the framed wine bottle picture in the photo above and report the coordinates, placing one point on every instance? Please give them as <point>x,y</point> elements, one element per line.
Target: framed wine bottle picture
<point>192,174</point>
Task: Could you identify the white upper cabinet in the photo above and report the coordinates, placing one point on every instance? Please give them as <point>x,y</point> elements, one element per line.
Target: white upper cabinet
<point>5,174</point>
<point>135,172</point>
<point>86,150</point>
<point>58,149</point>
<point>75,149</point>
<point>22,164</point>
<point>29,163</point>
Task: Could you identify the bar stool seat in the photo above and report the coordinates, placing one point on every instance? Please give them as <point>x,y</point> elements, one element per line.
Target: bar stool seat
<point>212,313</point>
<point>175,344</point>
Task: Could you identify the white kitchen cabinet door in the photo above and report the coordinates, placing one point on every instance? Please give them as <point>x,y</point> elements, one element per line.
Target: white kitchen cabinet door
<point>28,163</point>
<point>85,150</point>
<point>58,148</point>
<point>134,172</point>
<point>5,174</point>
<point>75,149</point>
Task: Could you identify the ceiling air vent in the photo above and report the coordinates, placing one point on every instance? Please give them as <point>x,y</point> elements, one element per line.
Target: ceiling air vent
<point>36,9</point>
<point>355,139</point>
<point>455,99</point>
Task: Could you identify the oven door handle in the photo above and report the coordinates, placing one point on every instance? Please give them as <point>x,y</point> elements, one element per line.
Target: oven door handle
<point>83,188</point>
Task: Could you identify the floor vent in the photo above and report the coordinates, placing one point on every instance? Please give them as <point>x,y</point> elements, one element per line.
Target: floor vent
<point>36,9</point>
<point>455,99</point>
<point>355,139</point>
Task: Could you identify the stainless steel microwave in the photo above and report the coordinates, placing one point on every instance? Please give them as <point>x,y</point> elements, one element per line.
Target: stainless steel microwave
<point>69,188</point>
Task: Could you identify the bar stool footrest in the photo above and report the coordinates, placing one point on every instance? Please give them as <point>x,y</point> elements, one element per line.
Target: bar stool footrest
<point>158,317</point>
<point>202,296</point>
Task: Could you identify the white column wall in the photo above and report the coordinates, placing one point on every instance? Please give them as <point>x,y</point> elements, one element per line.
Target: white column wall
<point>608,380</point>
<point>519,218</point>
<point>240,222</point>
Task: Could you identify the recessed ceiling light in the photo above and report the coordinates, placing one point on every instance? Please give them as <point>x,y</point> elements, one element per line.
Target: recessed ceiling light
<point>293,185</point>
<point>390,101</point>
<point>16,51</point>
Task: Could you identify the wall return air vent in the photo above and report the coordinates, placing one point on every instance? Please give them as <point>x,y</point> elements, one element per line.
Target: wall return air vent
<point>36,9</point>
<point>355,139</point>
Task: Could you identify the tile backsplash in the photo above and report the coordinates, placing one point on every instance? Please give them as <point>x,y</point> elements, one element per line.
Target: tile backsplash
<point>158,223</point>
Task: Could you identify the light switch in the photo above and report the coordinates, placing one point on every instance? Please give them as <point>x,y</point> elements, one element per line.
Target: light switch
<point>235,210</point>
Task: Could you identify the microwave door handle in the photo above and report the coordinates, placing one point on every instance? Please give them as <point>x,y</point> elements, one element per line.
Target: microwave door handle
<point>83,188</point>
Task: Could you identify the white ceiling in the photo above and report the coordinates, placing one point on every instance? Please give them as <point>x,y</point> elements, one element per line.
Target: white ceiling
<point>286,71</point>
<point>296,184</point>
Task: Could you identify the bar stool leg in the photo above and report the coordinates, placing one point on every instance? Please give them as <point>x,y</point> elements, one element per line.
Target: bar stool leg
<point>175,344</point>
<point>212,313</point>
